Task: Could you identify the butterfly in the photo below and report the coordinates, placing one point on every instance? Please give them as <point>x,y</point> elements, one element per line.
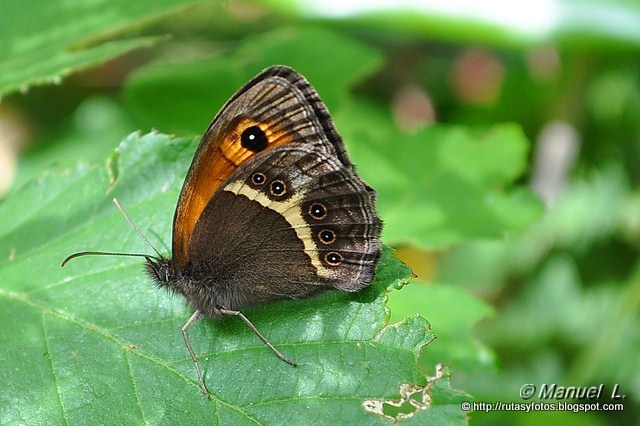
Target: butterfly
<point>271,208</point>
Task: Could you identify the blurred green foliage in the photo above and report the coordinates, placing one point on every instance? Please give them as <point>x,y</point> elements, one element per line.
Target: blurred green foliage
<point>540,96</point>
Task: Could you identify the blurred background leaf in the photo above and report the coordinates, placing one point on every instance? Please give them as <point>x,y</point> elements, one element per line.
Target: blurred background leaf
<point>45,41</point>
<point>503,140</point>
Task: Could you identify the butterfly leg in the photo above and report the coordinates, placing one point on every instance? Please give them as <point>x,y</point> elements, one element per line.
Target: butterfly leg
<point>197,315</point>
<point>255,330</point>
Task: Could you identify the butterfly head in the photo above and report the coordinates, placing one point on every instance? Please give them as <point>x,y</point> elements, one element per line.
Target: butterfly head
<point>161,270</point>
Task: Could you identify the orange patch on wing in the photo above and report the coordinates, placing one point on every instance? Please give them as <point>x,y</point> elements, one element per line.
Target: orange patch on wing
<point>216,159</point>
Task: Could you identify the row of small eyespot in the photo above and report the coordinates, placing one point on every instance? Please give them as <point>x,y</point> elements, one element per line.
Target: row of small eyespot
<point>317,211</point>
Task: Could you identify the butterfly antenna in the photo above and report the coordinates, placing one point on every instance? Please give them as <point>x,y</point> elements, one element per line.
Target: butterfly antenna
<point>110,253</point>
<point>126,216</point>
<point>101,253</point>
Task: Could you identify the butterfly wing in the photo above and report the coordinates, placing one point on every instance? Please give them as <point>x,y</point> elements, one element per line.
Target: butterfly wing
<point>290,223</point>
<point>271,206</point>
<point>275,108</point>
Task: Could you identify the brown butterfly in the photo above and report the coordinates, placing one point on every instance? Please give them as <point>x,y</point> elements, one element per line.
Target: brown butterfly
<point>271,208</point>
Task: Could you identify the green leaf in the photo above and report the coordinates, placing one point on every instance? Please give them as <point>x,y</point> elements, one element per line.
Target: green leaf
<point>96,340</point>
<point>184,97</point>
<point>454,314</point>
<point>444,184</point>
<point>44,41</point>
<point>435,403</point>
<point>98,119</point>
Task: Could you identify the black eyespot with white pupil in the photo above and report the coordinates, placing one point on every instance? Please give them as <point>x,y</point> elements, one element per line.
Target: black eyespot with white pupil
<point>278,188</point>
<point>318,211</point>
<point>333,258</point>
<point>258,178</point>
<point>254,139</point>
<point>327,236</point>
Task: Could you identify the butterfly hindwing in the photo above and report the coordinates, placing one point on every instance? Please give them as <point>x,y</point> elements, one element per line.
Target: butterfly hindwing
<point>292,219</point>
